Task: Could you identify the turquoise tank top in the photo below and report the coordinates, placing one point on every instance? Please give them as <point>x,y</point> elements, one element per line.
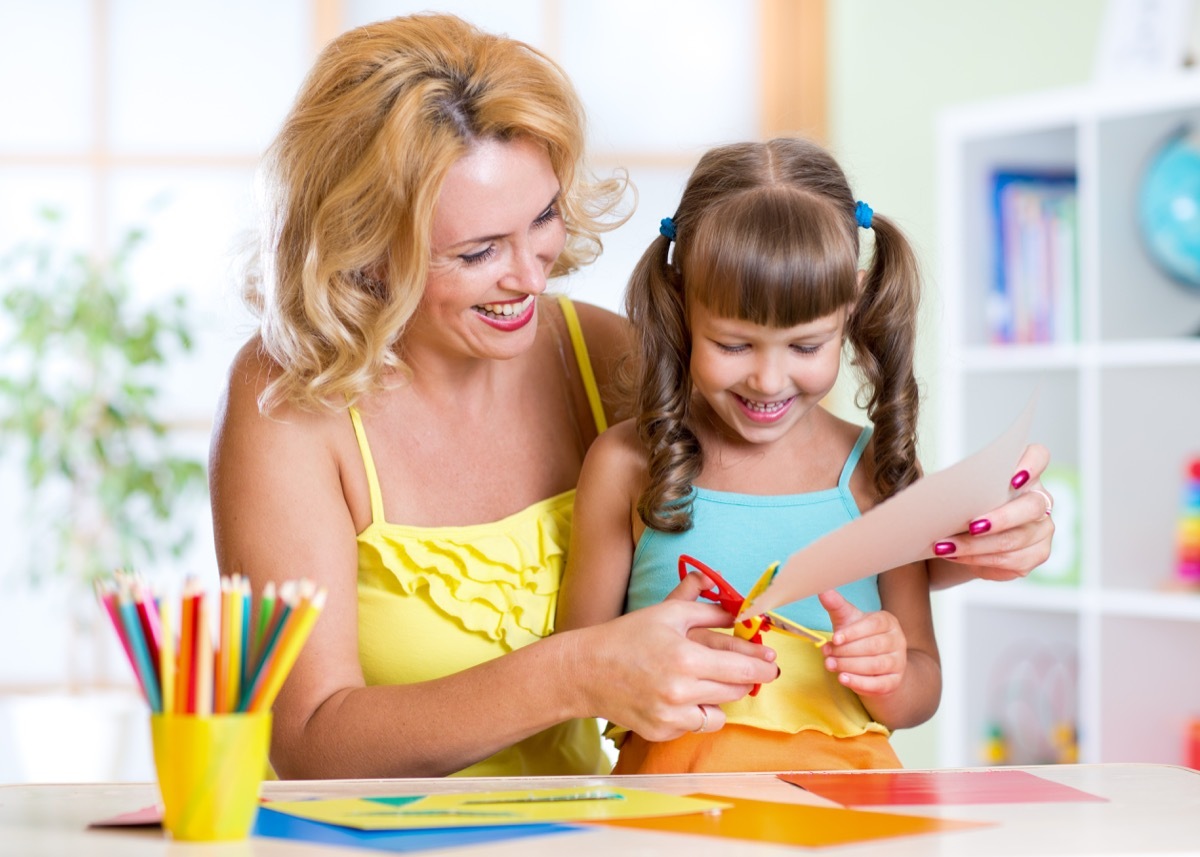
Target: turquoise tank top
<point>739,535</point>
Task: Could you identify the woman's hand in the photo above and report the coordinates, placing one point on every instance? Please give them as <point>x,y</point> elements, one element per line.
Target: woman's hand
<point>654,669</point>
<point>1008,542</point>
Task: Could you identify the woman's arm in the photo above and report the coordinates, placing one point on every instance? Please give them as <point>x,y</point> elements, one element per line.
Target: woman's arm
<point>1006,543</point>
<point>280,512</point>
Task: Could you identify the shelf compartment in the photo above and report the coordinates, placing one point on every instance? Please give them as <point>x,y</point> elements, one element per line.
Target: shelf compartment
<point>1022,678</point>
<point>1137,299</point>
<point>1147,691</point>
<point>1154,406</point>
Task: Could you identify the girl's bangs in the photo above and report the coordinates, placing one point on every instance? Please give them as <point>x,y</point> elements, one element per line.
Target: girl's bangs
<point>774,259</point>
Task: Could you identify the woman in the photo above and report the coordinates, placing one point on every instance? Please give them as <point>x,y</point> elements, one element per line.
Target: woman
<point>408,425</point>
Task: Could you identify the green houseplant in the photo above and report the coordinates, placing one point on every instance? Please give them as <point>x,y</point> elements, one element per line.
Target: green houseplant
<point>81,366</point>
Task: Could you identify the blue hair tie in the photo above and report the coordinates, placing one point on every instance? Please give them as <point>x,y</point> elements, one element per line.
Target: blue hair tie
<point>863,214</point>
<point>666,228</point>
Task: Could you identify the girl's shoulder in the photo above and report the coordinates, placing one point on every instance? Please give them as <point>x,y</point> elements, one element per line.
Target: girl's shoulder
<point>618,447</point>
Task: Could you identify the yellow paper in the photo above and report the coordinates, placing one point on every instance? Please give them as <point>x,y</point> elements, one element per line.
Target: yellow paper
<point>480,809</point>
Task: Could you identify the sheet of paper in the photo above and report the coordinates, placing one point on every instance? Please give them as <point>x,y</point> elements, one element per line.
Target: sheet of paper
<point>481,809</point>
<point>279,825</point>
<point>795,824</point>
<point>918,788</point>
<point>903,528</point>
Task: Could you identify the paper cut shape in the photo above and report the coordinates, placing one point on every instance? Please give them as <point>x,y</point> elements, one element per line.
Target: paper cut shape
<point>795,824</point>
<point>919,788</point>
<point>482,809</point>
<point>147,816</point>
<point>279,825</point>
<point>903,528</point>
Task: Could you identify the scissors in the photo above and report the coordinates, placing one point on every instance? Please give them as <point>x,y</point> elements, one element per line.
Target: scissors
<point>731,602</point>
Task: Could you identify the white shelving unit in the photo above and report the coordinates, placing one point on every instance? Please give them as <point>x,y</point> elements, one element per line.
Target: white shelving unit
<point>1114,653</point>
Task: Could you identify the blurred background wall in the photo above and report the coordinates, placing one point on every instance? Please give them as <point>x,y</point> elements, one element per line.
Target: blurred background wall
<point>133,113</point>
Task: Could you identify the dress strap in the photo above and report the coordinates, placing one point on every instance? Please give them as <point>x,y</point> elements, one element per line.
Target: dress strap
<point>855,455</point>
<point>585,364</point>
<point>369,463</point>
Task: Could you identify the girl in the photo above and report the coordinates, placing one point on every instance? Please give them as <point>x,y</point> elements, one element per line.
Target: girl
<point>732,459</point>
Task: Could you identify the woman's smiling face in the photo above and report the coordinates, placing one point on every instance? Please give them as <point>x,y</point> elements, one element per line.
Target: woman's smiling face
<point>497,231</point>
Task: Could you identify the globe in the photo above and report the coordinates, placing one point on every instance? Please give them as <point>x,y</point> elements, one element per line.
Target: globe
<point>1168,210</point>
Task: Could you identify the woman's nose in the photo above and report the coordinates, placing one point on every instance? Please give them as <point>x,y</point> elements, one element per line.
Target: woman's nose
<point>527,273</point>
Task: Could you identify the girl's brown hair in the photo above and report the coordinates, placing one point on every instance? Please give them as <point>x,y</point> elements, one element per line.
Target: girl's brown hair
<point>768,233</point>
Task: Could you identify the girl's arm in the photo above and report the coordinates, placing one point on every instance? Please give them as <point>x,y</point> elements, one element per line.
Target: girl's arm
<point>280,512</point>
<point>890,657</point>
<point>602,542</point>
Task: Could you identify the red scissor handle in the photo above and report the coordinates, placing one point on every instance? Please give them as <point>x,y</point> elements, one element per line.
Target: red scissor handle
<point>729,598</point>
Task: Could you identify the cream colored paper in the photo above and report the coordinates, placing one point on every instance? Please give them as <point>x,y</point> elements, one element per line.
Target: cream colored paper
<point>904,528</point>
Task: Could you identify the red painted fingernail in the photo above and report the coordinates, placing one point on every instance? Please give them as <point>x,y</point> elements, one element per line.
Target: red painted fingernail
<point>943,548</point>
<point>1020,479</point>
<point>980,526</point>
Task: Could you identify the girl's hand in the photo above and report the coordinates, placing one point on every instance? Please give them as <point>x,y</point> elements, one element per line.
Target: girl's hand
<point>651,670</point>
<point>1008,542</point>
<point>868,651</point>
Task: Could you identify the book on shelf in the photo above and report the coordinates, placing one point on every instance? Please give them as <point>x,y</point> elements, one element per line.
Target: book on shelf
<point>1034,294</point>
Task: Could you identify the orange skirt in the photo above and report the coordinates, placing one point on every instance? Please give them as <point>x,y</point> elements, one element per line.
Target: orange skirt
<point>737,748</point>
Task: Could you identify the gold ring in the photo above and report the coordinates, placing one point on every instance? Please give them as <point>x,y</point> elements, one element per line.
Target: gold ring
<point>703,723</point>
<point>1046,497</point>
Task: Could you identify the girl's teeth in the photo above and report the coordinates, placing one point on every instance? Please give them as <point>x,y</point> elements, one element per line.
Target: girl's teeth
<point>764,407</point>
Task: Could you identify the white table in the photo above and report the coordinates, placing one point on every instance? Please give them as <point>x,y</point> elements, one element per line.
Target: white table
<point>1151,809</point>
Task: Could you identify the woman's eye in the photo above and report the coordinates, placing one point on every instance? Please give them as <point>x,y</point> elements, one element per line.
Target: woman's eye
<point>547,216</point>
<point>481,256</point>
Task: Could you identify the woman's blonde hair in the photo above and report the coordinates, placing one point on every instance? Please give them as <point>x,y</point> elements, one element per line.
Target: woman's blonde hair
<point>768,233</point>
<point>355,173</point>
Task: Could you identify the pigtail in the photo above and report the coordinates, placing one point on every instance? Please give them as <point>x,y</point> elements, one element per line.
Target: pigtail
<point>883,332</point>
<point>654,305</point>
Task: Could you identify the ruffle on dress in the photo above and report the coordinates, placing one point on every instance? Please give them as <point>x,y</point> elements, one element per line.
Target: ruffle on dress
<point>500,580</point>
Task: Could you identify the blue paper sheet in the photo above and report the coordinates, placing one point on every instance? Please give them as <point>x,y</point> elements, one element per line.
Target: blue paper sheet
<point>278,825</point>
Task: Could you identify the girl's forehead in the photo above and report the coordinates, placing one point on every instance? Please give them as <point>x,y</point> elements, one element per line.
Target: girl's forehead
<point>700,315</point>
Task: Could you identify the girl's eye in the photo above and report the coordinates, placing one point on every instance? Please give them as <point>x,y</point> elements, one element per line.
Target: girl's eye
<point>807,349</point>
<point>481,256</point>
<point>547,216</point>
<point>731,349</point>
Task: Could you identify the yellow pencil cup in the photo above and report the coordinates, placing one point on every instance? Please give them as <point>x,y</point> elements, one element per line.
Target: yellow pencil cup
<point>209,770</point>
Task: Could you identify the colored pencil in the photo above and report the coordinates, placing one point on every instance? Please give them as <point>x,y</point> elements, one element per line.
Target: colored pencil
<point>146,670</point>
<point>266,610</point>
<point>166,656</point>
<point>224,647</point>
<point>202,679</point>
<point>247,642</point>
<point>233,660</point>
<point>106,592</point>
<point>185,689</point>
<point>300,624</point>
<point>283,607</point>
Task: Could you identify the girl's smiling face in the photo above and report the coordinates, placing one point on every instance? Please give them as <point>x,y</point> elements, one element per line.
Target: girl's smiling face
<point>762,381</point>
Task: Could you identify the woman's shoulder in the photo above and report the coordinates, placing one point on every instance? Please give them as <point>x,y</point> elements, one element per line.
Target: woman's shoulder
<point>246,383</point>
<point>607,334</point>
